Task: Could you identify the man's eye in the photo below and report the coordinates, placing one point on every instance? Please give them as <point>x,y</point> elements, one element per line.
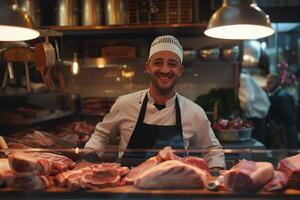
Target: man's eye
<point>157,63</point>
<point>173,64</point>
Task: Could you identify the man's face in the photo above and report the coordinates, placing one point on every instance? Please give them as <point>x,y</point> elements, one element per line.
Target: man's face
<point>164,68</point>
<point>271,84</point>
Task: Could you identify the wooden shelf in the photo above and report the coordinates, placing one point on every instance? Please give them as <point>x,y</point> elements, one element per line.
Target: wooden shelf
<point>115,30</point>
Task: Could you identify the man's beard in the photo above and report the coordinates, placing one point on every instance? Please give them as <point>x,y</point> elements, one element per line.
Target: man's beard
<point>156,83</point>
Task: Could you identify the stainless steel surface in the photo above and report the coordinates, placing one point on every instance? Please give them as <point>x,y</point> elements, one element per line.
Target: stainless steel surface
<point>234,135</point>
<point>67,13</point>
<point>91,12</point>
<point>115,12</point>
<point>32,8</point>
<point>252,52</point>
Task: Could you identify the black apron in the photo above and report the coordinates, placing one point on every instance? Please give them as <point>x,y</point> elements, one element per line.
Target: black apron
<point>147,136</point>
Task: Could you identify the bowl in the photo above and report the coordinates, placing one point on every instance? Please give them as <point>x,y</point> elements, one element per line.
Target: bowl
<point>234,135</point>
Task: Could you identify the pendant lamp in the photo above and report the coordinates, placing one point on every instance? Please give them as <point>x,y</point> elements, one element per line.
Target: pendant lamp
<point>239,20</point>
<point>15,24</point>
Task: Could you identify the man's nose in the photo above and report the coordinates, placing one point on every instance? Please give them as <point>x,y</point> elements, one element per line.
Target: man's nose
<point>165,68</point>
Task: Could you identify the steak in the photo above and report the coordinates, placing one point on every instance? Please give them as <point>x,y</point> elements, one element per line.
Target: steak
<point>197,162</point>
<point>92,176</point>
<point>136,171</point>
<point>172,174</point>
<point>30,182</point>
<point>278,182</point>
<point>100,178</point>
<point>290,166</point>
<point>5,170</point>
<point>39,163</point>
<point>248,176</point>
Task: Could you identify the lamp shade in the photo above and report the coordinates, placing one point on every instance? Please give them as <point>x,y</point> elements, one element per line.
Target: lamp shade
<point>239,20</point>
<point>15,24</point>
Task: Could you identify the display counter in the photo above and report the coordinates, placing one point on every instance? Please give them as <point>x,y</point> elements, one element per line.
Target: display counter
<point>128,191</point>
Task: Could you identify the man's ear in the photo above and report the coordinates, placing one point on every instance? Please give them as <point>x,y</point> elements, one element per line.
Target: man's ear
<point>147,67</point>
<point>181,70</point>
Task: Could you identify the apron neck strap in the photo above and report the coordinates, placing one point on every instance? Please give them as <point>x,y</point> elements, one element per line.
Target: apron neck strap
<point>177,109</point>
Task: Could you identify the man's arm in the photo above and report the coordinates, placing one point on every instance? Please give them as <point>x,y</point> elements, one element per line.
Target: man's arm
<point>206,139</point>
<point>105,131</point>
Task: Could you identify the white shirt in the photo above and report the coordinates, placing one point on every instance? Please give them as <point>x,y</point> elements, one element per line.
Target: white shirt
<point>122,118</point>
<point>253,100</point>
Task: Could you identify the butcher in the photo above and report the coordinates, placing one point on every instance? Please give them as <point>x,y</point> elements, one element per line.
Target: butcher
<point>158,116</point>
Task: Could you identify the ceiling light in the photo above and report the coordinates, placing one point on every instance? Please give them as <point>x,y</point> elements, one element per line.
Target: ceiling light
<point>239,20</point>
<point>15,24</point>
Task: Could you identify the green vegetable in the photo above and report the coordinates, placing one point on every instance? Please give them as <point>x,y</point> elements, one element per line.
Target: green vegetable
<point>225,99</point>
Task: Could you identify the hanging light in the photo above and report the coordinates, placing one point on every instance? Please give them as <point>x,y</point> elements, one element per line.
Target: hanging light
<point>15,24</point>
<point>75,65</point>
<point>239,20</point>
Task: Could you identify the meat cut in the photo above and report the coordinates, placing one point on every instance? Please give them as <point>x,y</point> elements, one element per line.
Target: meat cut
<point>164,155</point>
<point>248,176</point>
<point>278,182</point>
<point>172,174</point>
<point>30,182</point>
<point>4,170</point>
<point>39,163</point>
<point>92,176</point>
<point>290,166</point>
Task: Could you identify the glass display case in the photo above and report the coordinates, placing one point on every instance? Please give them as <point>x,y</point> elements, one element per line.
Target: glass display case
<point>77,174</point>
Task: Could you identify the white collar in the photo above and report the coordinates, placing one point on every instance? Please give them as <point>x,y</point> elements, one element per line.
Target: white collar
<point>169,102</point>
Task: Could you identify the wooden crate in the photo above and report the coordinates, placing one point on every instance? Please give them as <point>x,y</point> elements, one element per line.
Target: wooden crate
<point>160,12</point>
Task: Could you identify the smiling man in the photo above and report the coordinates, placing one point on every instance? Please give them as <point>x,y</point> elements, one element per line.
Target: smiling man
<point>158,116</point>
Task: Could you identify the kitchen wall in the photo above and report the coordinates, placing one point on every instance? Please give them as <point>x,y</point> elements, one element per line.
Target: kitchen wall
<point>199,76</point>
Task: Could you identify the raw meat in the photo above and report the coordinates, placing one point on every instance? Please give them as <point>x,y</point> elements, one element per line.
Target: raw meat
<point>4,170</point>
<point>30,182</point>
<point>91,176</point>
<point>248,176</point>
<point>172,174</point>
<point>290,166</point>
<point>197,162</point>
<point>278,182</point>
<point>39,163</point>
<point>136,171</point>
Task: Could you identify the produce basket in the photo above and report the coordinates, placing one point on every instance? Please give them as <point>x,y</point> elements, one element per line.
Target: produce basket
<point>234,135</point>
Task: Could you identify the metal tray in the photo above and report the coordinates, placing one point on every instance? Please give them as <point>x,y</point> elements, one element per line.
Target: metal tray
<point>234,135</point>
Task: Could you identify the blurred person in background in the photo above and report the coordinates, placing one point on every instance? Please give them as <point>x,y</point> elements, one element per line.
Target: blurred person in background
<point>255,104</point>
<point>281,116</point>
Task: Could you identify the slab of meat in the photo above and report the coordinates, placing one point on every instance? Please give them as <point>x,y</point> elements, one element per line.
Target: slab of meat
<point>195,161</point>
<point>168,154</point>
<point>172,174</point>
<point>290,166</point>
<point>278,182</point>
<point>100,178</point>
<point>91,176</point>
<point>4,170</point>
<point>39,163</point>
<point>136,171</point>
<point>248,176</point>
<point>30,182</point>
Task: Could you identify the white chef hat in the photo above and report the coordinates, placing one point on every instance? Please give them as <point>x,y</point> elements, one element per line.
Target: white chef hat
<point>166,43</point>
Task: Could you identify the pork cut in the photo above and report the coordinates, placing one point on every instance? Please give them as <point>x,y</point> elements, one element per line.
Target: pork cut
<point>91,176</point>
<point>195,161</point>
<point>290,166</point>
<point>30,182</point>
<point>248,176</point>
<point>5,170</point>
<point>136,171</point>
<point>39,163</point>
<point>172,174</point>
<point>278,182</point>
